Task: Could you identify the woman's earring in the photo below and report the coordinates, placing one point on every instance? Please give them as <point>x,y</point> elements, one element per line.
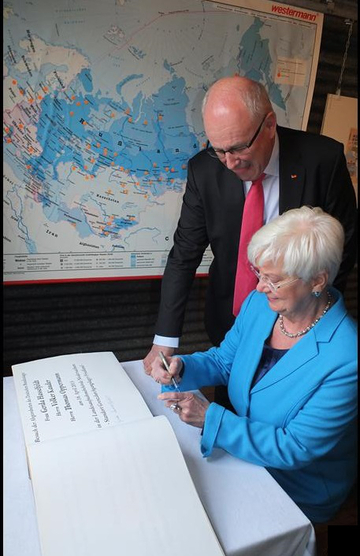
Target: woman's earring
<point>316,293</point>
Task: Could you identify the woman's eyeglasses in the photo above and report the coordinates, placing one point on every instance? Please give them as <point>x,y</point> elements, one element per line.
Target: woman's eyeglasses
<point>274,287</point>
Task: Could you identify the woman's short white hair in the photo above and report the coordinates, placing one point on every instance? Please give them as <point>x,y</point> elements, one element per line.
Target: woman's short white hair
<point>305,240</point>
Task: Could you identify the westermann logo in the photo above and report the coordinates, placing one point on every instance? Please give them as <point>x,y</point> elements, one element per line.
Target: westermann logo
<point>286,10</point>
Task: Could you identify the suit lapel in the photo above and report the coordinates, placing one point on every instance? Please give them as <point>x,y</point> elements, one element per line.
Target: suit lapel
<point>229,210</point>
<point>291,175</point>
<point>300,353</point>
<point>307,348</point>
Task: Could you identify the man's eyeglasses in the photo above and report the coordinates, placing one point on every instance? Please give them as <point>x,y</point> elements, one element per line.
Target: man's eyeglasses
<point>274,287</point>
<point>220,153</point>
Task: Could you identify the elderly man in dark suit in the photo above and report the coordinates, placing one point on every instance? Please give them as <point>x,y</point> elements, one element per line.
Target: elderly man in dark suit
<point>244,142</point>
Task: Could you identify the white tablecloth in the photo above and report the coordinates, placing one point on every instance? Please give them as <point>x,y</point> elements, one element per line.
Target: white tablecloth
<point>250,513</point>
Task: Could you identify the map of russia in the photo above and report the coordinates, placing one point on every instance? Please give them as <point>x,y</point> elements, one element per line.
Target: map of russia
<point>103,111</point>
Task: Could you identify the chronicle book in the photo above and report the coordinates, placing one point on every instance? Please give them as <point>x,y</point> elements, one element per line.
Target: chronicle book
<point>109,479</point>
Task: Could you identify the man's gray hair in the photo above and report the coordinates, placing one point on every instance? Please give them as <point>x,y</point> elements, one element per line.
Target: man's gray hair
<point>306,241</point>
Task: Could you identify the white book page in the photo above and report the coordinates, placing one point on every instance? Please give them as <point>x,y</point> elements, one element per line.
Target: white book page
<point>69,394</point>
<point>123,491</point>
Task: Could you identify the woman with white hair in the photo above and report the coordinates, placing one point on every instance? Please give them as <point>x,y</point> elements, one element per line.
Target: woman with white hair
<point>290,365</point>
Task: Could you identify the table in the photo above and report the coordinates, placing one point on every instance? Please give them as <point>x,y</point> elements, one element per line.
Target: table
<point>249,511</point>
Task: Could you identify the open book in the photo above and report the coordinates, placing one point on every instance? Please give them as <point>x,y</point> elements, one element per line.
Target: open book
<point>109,479</point>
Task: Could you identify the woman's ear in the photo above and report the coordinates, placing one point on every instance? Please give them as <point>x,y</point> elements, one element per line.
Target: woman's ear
<point>320,282</point>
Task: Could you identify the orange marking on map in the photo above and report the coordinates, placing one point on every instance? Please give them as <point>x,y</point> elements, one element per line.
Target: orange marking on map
<point>71,113</point>
<point>127,111</point>
<point>14,82</point>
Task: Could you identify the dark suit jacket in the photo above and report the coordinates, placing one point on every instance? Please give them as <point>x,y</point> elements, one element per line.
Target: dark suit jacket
<point>312,172</point>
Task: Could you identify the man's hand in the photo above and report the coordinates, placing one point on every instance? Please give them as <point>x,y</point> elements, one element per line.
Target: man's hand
<point>154,352</point>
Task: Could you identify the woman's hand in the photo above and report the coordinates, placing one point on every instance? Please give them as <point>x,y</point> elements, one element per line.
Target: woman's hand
<point>190,408</point>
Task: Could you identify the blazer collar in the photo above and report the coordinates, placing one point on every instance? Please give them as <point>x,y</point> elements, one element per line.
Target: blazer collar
<point>291,174</point>
<point>307,348</point>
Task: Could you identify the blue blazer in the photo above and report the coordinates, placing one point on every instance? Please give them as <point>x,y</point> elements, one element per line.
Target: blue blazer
<point>299,420</point>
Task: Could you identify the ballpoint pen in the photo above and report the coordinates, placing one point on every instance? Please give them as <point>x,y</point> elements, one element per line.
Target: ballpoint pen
<point>164,362</point>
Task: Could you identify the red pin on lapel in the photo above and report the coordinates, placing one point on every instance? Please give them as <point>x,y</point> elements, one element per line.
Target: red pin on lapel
<point>293,176</point>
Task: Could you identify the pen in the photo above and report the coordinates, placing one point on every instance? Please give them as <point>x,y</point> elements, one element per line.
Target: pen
<point>164,362</point>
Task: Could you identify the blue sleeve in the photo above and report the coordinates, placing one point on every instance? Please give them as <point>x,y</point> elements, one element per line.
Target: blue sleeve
<point>307,433</point>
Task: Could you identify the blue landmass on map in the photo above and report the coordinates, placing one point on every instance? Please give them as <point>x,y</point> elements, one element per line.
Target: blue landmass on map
<point>150,140</point>
<point>255,61</point>
<point>67,120</point>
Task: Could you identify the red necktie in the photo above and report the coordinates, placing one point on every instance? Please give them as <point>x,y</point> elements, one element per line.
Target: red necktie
<point>253,217</point>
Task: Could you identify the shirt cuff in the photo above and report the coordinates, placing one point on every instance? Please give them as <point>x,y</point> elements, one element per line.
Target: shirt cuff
<point>165,341</point>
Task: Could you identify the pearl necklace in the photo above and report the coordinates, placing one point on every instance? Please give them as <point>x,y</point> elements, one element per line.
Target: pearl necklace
<point>302,332</point>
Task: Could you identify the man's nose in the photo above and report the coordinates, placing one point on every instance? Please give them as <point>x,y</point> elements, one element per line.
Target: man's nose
<point>231,160</point>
